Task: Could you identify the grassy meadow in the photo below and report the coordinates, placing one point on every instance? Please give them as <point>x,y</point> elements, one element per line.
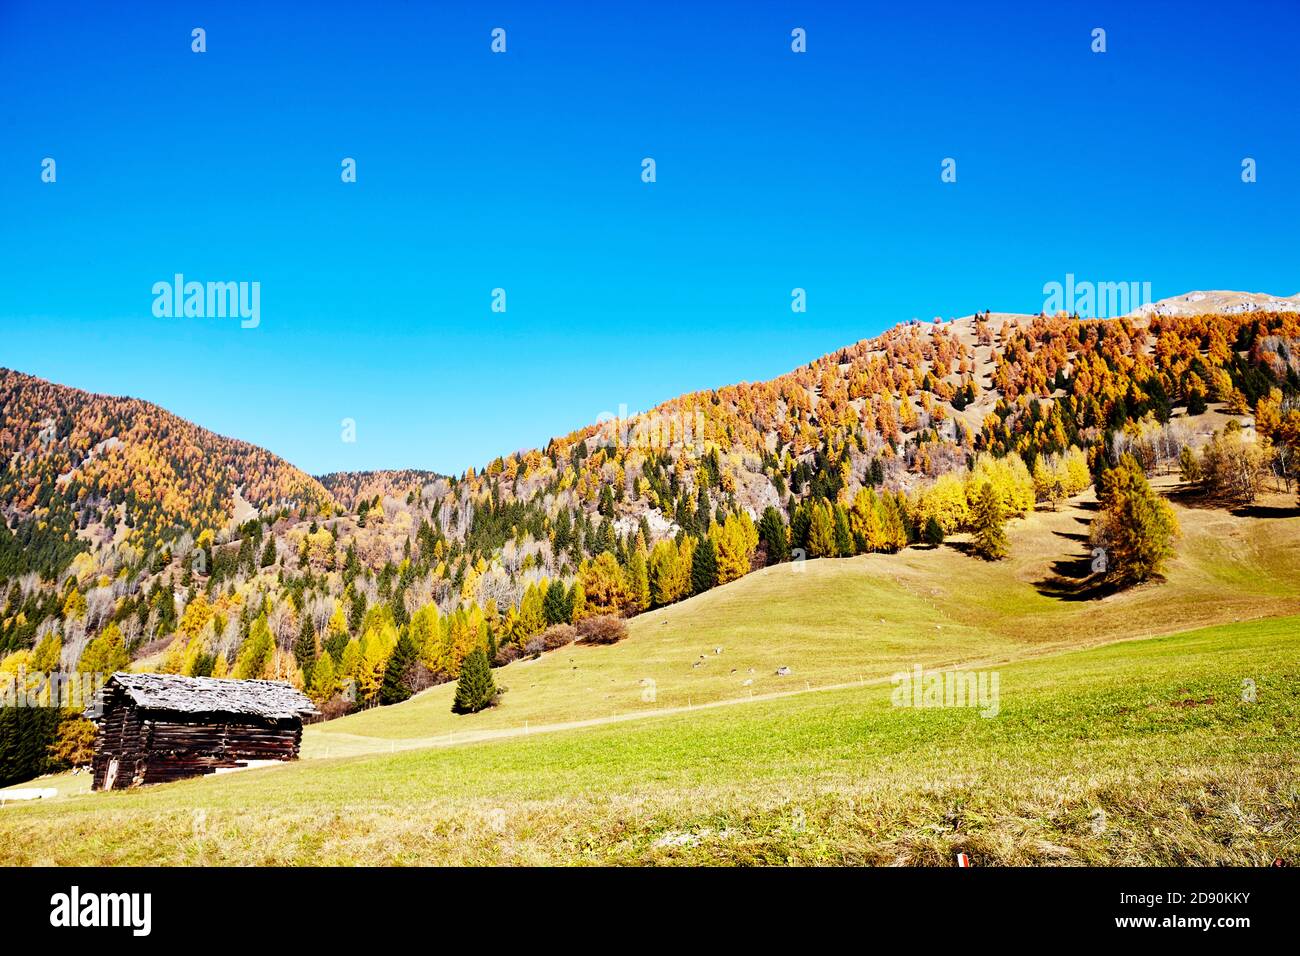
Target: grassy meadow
<point>1137,752</point>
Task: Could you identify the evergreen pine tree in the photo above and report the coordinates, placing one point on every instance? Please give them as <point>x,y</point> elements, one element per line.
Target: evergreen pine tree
<point>475,689</point>
<point>704,567</point>
<point>800,523</point>
<point>772,534</point>
<point>304,649</point>
<point>683,516</point>
<point>933,531</point>
<point>563,531</point>
<point>876,474</point>
<point>396,687</point>
<point>843,537</point>
<point>555,606</point>
<point>703,514</point>
<point>606,506</point>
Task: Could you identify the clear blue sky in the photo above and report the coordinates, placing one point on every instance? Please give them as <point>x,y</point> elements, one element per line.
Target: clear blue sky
<point>522,171</point>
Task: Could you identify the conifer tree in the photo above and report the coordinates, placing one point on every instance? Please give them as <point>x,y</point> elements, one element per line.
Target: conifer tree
<point>563,533</point>
<point>532,610</point>
<point>604,538</point>
<point>577,601</point>
<point>323,679</point>
<point>843,537</point>
<point>703,513</point>
<point>683,516</point>
<point>772,534</point>
<point>704,567</point>
<point>396,686</point>
<point>606,505</point>
<point>106,654</point>
<point>475,688</point>
<point>255,653</point>
<point>1136,527</point>
<point>556,607</point>
<point>800,525</point>
<point>933,531</point>
<point>988,523</point>
<point>304,648</point>
<point>45,656</point>
<point>821,532</point>
<point>668,578</point>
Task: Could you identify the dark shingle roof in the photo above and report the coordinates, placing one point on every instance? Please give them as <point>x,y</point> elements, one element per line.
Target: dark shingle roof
<point>211,695</point>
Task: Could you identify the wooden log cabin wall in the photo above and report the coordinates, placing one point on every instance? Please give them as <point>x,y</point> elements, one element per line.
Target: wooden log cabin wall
<point>153,728</point>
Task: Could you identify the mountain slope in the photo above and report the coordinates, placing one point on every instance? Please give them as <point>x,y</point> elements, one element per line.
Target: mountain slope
<point>350,488</point>
<point>880,445</point>
<point>918,401</point>
<point>98,468</point>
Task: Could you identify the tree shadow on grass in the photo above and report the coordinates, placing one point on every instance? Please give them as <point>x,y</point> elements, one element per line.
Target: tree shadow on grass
<point>1266,511</point>
<point>1192,497</point>
<point>1189,496</point>
<point>1072,579</point>
<point>1071,536</point>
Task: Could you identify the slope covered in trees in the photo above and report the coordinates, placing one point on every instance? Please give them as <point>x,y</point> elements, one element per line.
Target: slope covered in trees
<point>70,460</point>
<point>350,488</point>
<point>929,430</point>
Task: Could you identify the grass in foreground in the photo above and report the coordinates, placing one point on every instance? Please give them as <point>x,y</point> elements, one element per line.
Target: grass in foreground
<point>1142,752</point>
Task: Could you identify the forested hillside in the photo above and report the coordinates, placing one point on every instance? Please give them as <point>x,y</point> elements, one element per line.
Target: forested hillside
<point>124,543</point>
<point>83,471</point>
<point>350,488</point>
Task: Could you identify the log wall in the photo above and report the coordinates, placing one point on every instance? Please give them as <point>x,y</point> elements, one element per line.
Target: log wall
<point>120,736</point>
<point>155,747</point>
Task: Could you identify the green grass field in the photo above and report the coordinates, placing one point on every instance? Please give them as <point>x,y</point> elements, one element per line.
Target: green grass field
<point>1139,752</point>
<point>1125,733</point>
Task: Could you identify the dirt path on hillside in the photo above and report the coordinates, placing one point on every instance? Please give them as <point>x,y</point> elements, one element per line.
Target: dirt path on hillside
<point>358,745</point>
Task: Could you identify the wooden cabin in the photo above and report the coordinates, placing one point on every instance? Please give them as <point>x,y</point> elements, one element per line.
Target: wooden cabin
<point>153,728</point>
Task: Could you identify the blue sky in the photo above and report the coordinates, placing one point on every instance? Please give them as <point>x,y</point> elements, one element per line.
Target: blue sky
<point>522,171</point>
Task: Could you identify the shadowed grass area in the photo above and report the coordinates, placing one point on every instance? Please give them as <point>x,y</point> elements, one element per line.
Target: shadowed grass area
<point>1135,752</point>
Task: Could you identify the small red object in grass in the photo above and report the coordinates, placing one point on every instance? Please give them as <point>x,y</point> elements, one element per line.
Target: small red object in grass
<point>963,859</point>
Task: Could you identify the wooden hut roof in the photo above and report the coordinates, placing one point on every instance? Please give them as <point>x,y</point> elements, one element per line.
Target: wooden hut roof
<point>212,695</point>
